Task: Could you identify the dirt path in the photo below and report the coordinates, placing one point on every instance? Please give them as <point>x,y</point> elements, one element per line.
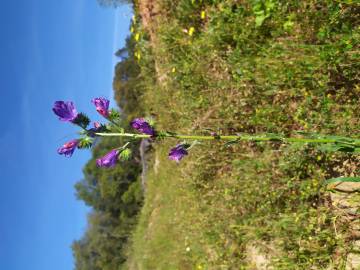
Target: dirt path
<point>149,12</point>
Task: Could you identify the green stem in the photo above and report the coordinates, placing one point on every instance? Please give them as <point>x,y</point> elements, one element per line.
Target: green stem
<point>226,138</point>
<point>124,146</point>
<point>130,135</point>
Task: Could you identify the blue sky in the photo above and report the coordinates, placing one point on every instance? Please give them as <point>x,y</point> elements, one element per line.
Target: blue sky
<point>50,50</point>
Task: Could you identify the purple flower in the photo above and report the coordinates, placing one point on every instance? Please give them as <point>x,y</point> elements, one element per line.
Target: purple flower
<point>109,160</point>
<point>65,110</point>
<point>102,106</point>
<point>144,127</point>
<point>178,152</point>
<point>68,148</point>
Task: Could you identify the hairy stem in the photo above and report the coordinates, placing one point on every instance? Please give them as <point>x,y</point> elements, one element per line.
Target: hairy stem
<point>226,138</point>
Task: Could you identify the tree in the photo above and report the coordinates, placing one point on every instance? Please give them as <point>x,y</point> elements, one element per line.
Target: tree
<point>114,194</point>
<point>113,3</point>
<point>101,246</point>
<point>122,53</point>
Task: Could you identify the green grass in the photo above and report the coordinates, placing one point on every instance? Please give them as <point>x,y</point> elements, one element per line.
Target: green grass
<point>250,66</point>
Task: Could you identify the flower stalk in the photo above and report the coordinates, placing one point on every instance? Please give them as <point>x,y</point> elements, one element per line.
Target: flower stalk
<point>67,112</point>
<point>244,137</point>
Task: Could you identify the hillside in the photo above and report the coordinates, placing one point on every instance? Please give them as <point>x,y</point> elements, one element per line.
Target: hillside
<point>257,67</point>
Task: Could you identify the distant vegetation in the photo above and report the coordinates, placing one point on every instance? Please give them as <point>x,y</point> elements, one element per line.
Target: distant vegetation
<point>113,3</point>
<point>115,195</point>
<point>270,66</point>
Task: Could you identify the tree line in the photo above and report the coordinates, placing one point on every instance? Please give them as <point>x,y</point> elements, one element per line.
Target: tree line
<point>114,195</point>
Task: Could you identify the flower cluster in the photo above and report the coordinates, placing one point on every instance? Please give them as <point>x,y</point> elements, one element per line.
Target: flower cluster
<point>66,111</point>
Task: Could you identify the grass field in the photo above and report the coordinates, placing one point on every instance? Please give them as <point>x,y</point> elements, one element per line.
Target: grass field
<point>256,66</point>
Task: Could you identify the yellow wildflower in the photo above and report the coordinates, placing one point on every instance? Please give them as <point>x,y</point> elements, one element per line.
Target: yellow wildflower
<point>137,55</point>
<point>191,31</point>
<point>202,15</point>
<point>137,36</point>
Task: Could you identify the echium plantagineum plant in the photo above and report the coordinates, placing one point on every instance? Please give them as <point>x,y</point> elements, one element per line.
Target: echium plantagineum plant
<point>67,112</point>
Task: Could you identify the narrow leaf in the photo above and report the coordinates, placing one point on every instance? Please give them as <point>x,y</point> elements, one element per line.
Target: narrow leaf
<point>343,179</point>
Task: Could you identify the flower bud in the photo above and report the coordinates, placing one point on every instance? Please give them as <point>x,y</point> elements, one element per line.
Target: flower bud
<point>68,148</point>
<point>102,106</point>
<point>143,126</point>
<point>109,160</point>
<point>178,152</point>
<point>65,110</point>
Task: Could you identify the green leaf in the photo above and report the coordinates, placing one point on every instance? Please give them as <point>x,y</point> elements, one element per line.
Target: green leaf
<point>288,25</point>
<point>162,134</point>
<point>340,139</point>
<point>82,120</point>
<point>274,137</point>
<point>114,115</point>
<point>85,142</point>
<point>125,154</point>
<point>343,179</point>
<point>337,147</point>
<point>259,20</point>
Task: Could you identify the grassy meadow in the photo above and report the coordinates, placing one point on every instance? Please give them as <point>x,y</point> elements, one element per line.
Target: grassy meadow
<point>255,66</point>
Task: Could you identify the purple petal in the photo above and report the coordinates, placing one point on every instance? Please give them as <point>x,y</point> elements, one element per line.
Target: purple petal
<point>142,126</point>
<point>109,160</point>
<point>102,106</point>
<point>68,148</point>
<point>178,152</point>
<point>65,110</point>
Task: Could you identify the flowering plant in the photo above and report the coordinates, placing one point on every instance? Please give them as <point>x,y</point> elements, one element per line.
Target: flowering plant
<point>67,112</point>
